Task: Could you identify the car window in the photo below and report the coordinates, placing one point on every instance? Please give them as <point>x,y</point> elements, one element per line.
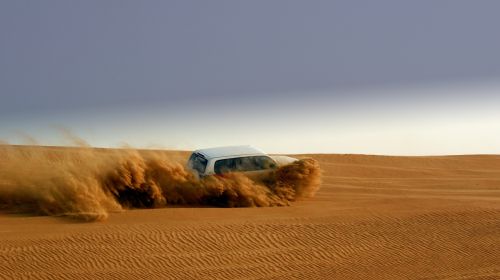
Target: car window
<point>263,162</point>
<point>198,163</point>
<point>242,164</point>
<point>224,165</point>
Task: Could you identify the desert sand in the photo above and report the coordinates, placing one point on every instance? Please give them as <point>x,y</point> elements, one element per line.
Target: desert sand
<point>374,217</point>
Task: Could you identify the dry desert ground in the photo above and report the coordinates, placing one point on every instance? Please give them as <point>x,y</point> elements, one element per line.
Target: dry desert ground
<point>374,217</point>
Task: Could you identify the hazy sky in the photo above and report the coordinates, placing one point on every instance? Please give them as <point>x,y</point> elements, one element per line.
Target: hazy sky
<point>380,77</point>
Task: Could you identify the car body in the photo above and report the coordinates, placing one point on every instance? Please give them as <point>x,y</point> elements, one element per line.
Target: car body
<point>245,159</point>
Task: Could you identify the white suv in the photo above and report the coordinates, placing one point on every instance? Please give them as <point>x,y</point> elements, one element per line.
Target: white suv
<point>246,159</point>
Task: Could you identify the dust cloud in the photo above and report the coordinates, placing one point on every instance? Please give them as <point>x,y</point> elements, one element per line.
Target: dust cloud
<point>89,183</point>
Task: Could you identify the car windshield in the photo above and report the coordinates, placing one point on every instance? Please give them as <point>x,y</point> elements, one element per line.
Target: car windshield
<point>242,164</point>
<point>197,162</point>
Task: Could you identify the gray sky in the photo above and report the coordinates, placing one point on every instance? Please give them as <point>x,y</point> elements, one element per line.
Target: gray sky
<point>391,77</point>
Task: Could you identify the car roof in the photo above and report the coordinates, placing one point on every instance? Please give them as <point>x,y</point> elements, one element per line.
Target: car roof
<point>229,151</point>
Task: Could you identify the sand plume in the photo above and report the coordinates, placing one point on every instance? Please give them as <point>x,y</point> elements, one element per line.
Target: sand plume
<point>53,183</point>
<point>155,182</point>
<point>298,179</point>
<point>88,183</point>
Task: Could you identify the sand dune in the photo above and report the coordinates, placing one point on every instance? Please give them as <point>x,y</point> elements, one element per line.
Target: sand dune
<point>374,217</point>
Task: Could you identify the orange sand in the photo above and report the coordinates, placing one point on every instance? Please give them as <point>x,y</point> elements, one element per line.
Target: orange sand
<point>374,217</point>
